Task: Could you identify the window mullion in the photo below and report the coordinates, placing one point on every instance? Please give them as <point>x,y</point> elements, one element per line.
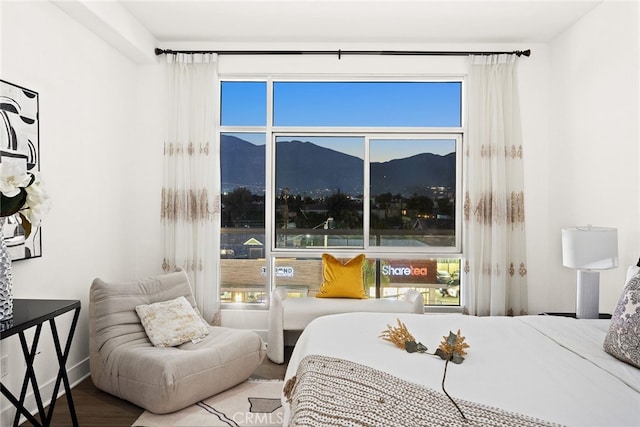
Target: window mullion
<point>366,208</point>
<point>269,219</point>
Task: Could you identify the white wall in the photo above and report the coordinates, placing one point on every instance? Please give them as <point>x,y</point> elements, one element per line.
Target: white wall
<point>592,150</point>
<point>94,166</point>
<point>102,121</point>
<point>146,169</point>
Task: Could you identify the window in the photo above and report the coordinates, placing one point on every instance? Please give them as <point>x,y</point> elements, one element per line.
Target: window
<point>412,191</point>
<point>344,167</point>
<point>243,104</point>
<point>367,104</point>
<point>320,191</point>
<point>242,237</point>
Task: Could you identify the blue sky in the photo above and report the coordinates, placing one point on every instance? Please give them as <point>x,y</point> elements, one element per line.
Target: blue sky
<point>366,104</point>
<point>352,104</point>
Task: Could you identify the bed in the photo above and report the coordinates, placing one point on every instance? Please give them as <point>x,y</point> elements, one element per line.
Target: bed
<point>551,369</point>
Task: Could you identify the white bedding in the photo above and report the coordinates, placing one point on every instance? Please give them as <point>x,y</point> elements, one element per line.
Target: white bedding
<point>548,367</point>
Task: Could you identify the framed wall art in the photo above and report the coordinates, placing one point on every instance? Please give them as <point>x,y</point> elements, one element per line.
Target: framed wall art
<point>20,141</point>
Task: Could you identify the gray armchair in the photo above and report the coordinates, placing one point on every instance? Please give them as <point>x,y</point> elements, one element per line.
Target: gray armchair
<point>125,364</point>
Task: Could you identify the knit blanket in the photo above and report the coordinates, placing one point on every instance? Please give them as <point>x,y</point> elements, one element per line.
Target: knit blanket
<point>335,392</point>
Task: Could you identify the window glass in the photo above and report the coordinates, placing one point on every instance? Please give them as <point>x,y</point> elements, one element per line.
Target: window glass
<point>242,280</point>
<point>437,279</point>
<point>242,232</point>
<point>348,167</point>
<point>242,166</point>
<point>303,276</point>
<point>412,192</point>
<point>374,104</point>
<point>319,191</point>
<point>243,103</point>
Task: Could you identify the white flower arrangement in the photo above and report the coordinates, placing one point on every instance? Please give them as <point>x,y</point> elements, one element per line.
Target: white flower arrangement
<point>22,193</point>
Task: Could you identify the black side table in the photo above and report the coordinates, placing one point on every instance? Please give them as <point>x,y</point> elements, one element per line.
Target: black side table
<point>28,313</point>
<point>546,313</point>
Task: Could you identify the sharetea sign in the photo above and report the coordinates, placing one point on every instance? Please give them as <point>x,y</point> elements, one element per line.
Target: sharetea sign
<point>410,271</point>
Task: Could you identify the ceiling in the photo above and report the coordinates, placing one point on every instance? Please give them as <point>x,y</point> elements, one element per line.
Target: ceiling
<point>356,21</point>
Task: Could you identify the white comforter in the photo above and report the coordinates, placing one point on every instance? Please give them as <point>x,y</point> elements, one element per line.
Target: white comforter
<point>552,368</point>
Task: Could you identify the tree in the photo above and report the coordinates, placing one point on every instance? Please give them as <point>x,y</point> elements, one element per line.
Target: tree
<point>237,205</point>
<point>342,210</point>
<point>445,207</point>
<point>420,204</point>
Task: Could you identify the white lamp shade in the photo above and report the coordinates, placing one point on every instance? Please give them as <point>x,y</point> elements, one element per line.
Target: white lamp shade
<point>590,248</point>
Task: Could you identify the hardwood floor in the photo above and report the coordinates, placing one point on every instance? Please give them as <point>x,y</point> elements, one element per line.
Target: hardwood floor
<point>95,408</point>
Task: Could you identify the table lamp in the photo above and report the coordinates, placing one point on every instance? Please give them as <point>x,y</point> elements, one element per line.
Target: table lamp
<point>589,249</point>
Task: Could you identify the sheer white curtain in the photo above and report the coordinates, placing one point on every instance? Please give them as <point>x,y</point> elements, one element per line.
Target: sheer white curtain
<point>190,193</point>
<point>494,223</point>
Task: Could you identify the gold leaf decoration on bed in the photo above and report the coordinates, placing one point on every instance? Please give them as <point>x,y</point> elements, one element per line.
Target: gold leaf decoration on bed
<point>402,338</point>
<point>452,348</point>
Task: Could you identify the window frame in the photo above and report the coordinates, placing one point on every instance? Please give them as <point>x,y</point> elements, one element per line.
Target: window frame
<point>272,253</point>
<point>380,134</point>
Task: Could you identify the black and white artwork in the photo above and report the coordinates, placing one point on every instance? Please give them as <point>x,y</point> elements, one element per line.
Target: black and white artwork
<point>19,136</point>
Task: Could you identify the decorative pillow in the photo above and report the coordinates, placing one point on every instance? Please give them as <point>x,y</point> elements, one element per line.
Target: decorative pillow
<point>172,322</point>
<point>342,280</point>
<point>623,339</point>
<point>632,271</point>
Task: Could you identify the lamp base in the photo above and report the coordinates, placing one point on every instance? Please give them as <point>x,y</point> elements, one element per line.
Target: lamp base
<point>588,297</point>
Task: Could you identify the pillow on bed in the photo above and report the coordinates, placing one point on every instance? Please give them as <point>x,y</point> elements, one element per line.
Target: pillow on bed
<point>171,323</point>
<point>632,271</point>
<point>342,280</point>
<point>623,339</point>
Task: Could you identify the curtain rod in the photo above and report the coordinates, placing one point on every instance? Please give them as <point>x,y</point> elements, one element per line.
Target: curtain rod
<point>339,52</point>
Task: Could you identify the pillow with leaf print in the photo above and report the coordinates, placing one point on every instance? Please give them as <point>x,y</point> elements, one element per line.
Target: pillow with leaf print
<point>171,323</point>
<point>623,339</point>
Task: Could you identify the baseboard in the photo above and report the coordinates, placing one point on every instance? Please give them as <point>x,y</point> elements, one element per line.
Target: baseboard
<point>76,374</point>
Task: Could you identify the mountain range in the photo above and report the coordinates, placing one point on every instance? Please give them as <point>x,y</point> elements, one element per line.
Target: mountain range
<point>330,171</point>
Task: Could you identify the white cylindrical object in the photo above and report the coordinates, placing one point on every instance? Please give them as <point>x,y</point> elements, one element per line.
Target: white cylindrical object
<point>588,296</point>
<point>590,248</point>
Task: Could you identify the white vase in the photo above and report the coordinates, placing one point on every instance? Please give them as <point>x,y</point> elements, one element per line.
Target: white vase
<point>6,282</point>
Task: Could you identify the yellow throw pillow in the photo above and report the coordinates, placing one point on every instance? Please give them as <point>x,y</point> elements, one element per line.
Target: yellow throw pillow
<point>342,280</point>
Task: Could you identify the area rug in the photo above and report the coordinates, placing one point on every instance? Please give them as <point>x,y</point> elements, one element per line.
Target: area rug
<point>251,403</point>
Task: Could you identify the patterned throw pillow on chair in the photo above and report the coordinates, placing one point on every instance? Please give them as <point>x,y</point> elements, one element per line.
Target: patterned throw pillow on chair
<point>171,323</point>
<point>623,339</point>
